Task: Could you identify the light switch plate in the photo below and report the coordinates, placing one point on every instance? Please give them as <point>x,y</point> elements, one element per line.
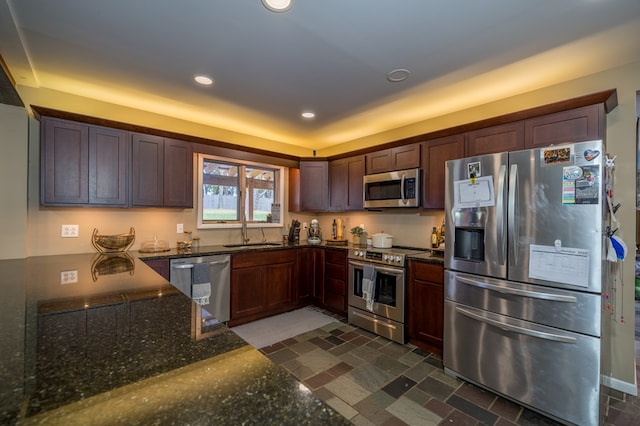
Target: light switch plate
<point>180,228</point>
<point>69,231</point>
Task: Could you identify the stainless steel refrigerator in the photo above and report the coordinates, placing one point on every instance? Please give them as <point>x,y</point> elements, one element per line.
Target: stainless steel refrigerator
<point>525,260</point>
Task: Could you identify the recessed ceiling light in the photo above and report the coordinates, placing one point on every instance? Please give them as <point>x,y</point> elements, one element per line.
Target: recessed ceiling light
<point>398,75</point>
<point>278,5</point>
<point>205,80</point>
<point>308,115</point>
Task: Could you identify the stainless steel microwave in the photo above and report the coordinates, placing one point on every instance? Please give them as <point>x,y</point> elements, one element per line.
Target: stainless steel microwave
<point>400,188</point>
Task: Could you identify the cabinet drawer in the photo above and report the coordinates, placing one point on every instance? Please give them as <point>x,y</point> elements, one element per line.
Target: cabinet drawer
<point>431,272</point>
<point>260,258</point>
<point>336,256</point>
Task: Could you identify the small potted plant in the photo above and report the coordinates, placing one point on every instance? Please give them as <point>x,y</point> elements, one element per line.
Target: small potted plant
<point>358,233</point>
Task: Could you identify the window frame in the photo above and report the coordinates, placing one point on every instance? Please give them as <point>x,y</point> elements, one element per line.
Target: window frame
<point>279,190</point>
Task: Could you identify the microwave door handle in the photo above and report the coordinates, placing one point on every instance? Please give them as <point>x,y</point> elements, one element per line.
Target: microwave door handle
<point>501,217</point>
<point>404,199</point>
<point>513,214</point>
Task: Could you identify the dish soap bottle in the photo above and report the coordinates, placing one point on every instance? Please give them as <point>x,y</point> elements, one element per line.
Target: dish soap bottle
<point>434,238</point>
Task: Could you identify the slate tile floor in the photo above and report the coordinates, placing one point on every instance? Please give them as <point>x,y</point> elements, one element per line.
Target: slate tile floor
<point>373,381</point>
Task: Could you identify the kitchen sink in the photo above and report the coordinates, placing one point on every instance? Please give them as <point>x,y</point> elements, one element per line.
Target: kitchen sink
<point>252,245</point>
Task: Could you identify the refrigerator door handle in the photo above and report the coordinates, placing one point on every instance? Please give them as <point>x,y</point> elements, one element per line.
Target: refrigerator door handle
<point>513,214</point>
<point>518,292</point>
<point>518,329</point>
<point>501,217</point>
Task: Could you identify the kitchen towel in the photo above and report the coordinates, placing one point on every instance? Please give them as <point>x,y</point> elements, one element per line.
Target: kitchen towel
<point>368,285</point>
<point>200,293</point>
<point>201,283</point>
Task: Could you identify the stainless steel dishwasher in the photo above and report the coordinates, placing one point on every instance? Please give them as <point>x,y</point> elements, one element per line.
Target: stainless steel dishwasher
<point>206,280</point>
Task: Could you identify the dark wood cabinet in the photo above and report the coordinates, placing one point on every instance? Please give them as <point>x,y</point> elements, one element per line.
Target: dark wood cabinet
<point>434,155</point>
<point>575,125</point>
<point>178,173</point>
<point>345,184</point>
<point>500,138</point>
<point>309,187</point>
<point>108,166</point>
<point>335,281</point>
<point>398,158</point>
<point>425,311</point>
<point>262,285</point>
<point>161,172</point>
<point>161,266</point>
<point>83,164</point>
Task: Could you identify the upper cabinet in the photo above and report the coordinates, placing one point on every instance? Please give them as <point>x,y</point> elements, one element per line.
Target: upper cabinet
<point>83,164</point>
<point>434,154</point>
<point>500,138</point>
<point>308,187</point>
<point>90,165</point>
<point>574,125</point>
<point>398,158</point>
<point>345,184</point>
<point>161,172</point>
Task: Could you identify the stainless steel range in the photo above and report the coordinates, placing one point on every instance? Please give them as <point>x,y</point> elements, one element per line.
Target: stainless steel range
<point>377,290</point>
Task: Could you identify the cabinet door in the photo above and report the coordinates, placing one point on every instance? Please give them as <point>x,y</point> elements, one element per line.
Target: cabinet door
<point>398,158</point>
<point>108,166</point>
<point>501,138</point>
<point>575,125</point>
<point>247,292</point>
<point>405,157</point>
<point>335,283</point>
<point>434,154</point>
<point>304,275</point>
<point>147,176</point>
<point>426,305</point>
<point>64,152</point>
<point>279,280</point>
<point>178,173</point>
<point>314,188</point>
<point>345,184</point>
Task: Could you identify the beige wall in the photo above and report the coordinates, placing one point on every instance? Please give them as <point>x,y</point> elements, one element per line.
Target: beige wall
<point>408,228</point>
<point>13,185</point>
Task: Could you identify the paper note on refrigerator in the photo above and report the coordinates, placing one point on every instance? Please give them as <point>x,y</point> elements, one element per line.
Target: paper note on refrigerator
<point>474,193</point>
<point>559,264</point>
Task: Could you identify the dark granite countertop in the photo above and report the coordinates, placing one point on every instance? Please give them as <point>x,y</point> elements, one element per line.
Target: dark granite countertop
<point>116,344</point>
<point>428,257</point>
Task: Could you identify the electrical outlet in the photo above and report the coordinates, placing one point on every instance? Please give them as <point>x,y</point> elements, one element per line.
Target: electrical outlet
<point>180,228</point>
<point>69,277</point>
<point>69,231</point>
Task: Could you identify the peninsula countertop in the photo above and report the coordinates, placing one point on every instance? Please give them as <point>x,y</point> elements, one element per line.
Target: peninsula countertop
<point>103,339</point>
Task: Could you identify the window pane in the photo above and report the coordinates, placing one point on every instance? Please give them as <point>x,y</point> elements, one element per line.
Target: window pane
<point>220,191</point>
<point>260,193</point>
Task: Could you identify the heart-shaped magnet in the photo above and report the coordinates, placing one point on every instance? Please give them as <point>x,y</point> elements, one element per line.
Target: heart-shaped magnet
<point>590,154</point>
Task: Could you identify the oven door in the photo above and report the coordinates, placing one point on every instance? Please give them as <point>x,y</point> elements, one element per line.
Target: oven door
<point>389,295</point>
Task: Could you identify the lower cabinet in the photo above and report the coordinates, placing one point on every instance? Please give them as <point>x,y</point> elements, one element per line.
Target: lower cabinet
<point>310,276</point>
<point>425,311</point>
<point>262,285</point>
<point>161,266</point>
<point>335,281</point>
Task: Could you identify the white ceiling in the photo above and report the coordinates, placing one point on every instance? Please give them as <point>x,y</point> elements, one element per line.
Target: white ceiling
<point>329,56</point>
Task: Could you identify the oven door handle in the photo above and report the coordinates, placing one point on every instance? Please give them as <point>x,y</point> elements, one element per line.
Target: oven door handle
<point>390,271</point>
<point>516,329</point>
<point>518,292</point>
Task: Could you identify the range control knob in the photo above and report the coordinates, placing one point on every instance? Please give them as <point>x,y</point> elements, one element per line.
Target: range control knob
<point>398,259</point>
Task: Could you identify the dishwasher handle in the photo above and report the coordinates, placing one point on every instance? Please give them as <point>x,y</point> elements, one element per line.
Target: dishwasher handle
<point>183,266</point>
<point>219,262</point>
